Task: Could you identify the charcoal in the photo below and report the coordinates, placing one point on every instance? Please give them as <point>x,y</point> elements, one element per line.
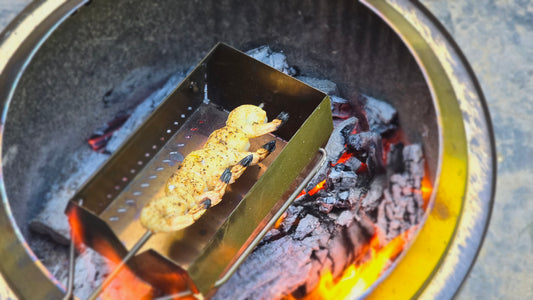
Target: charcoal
<point>372,199</point>
<point>277,60</point>
<point>327,204</point>
<point>362,142</point>
<point>302,261</point>
<point>335,145</point>
<point>345,218</point>
<point>353,164</point>
<point>340,179</point>
<point>321,175</point>
<point>341,109</point>
<point>306,226</point>
<point>257,278</point>
<point>337,249</point>
<point>367,147</point>
<point>395,162</point>
<point>291,217</point>
<point>381,116</point>
<point>343,196</point>
<point>402,207</point>
<point>272,234</point>
<point>334,149</point>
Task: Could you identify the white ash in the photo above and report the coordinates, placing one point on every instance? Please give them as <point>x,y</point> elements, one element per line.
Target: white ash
<point>276,60</point>
<point>381,115</point>
<point>402,204</point>
<point>91,270</point>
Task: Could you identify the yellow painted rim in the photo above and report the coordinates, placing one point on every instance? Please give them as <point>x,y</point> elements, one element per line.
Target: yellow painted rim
<point>424,256</point>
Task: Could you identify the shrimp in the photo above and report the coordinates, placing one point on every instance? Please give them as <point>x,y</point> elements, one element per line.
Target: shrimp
<point>202,178</point>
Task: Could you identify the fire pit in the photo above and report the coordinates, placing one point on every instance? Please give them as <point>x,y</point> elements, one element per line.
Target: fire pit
<point>68,85</point>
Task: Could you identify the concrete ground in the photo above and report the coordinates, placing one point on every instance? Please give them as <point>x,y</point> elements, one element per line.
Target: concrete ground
<point>497,38</point>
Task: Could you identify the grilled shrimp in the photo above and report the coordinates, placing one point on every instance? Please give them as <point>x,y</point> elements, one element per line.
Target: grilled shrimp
<point>202,178</point>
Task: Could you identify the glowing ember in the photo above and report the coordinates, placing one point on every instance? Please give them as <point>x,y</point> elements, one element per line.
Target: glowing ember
<point>98,140</point>
<point>426,190</point>
<point>280,220</point>
<point>358,277</point>
<point>344,158</point>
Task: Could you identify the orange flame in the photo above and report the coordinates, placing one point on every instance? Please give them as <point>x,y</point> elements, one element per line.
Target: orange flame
<point>426,189</point>
<point>126,284</point>
<point>317,188</point>
<point>344,158</point>
<point>280,220</point>
<point>357,278</point>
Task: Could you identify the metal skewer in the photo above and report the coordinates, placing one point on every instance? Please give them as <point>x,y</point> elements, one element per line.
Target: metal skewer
<point>71,263</point>
<point>146,236</point>
<point>71,269</point>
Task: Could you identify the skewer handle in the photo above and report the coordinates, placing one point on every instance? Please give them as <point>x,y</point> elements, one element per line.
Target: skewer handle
<point>146,236</point>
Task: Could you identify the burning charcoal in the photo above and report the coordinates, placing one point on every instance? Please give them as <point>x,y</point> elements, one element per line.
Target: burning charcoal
<point>321,176</point>
<point>101,136</point>
<point>367,147</point>
<point>361,142</point>
<point>324,85</point>
<point>276,60</point>
<point>381,116</point>
<point>395,162</point>
<point>346,218</point>
<point>335,145</point>
<point>340,179</point>
<point>402,205</point>
<point>414,163</point>
<point>353,164</point>
<point>372,199</point>
<point>306,225</point>
<point>327,204</point>
<point>341,109</point>
<point>343,196</point>
<point>259,277</point>
<point>272,234</point>
<point>291,217</point>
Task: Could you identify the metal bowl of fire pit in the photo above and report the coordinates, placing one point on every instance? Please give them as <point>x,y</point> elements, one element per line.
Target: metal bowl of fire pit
<point>63,63</point>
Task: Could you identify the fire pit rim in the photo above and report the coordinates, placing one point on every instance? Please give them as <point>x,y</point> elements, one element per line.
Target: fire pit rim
<point>22,51</point>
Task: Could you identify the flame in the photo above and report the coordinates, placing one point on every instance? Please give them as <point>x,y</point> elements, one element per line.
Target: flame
<point>317,188</point>
<point>357,278</point>
<point>280,220</point>
<point>344,158</point>
<point>76,229</point>
<point>126,284</point>
<point>426,189</point>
